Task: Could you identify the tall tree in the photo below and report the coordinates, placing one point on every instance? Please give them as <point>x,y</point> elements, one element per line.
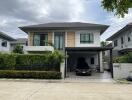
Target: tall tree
<point>120,7</point>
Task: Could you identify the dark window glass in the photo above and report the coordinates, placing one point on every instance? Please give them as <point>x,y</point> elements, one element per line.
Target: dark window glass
<point>115,43</point>
<point>26,43</point>
<point>59,40</point>
<point>40,40</point>
<point>122,41</point>
<point>4,43</point>
<point>86,38</point>
<point>129,39</point>
<point>92,60</point>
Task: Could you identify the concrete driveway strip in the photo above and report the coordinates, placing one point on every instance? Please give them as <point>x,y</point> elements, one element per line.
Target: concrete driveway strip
<point>30,90</point>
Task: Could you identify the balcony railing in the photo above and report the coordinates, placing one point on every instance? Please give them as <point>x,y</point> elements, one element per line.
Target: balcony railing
<point>37,48</point>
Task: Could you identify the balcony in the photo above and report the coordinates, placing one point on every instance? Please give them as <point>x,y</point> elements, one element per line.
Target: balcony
<point>37,48</point>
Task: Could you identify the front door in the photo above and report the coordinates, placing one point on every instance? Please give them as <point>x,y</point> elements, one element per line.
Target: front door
<point>59,40</point>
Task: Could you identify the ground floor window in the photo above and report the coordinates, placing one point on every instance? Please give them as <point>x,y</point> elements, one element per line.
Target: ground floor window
<point>92,60</point>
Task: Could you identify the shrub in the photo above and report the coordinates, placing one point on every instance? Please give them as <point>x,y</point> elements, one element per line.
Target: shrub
<point>18,49</point>
<point>30,74</point>
<point>127,58</point>
<point>48,61</point>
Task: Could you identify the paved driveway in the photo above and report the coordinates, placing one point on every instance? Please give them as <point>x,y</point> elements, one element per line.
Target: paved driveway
<point>41,90</point>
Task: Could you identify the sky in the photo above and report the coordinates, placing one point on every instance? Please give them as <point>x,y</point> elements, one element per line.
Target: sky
<point>16,13</point>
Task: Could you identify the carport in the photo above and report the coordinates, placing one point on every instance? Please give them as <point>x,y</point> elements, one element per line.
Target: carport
<point>89,53</point>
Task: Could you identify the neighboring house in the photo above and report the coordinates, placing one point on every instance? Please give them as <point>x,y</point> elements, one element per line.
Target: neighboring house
<point>122,40</point>
<point>5,42</point>
<point>75,39</point>
<point>19,41</point>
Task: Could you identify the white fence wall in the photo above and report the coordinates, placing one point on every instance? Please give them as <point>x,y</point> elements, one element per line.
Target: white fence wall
<point>122,70</point>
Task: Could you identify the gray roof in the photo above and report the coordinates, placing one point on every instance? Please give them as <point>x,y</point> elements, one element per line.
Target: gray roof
<point>6,37</point>
<point>109,45</point>
<point>20,41</point>
<point>119,32</point>
<point>64,25</point>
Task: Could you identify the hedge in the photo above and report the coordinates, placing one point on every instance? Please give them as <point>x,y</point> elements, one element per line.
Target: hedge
<point>127,58</point>
<point>30,74</point>
<point>43,62</point>
<point>7,61</point>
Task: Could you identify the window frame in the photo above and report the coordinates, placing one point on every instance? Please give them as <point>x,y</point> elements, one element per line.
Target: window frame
<point>115,43</point>
<point>129,38</point>
<point>45,34</point>
<point>88,38</point>
<point>92,60</point>
<point>61,40</point>
<point>122,40</point>
<point>4,43</point>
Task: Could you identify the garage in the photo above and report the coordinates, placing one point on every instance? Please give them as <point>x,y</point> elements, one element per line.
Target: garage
<point>92,56</point>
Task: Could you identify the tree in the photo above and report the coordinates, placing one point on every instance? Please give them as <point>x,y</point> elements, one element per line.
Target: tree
<point>18,49</point>
<point>120,7</point>
<point>104,43</point>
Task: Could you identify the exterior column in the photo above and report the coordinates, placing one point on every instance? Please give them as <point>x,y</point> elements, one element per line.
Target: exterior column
<point>65,64</point>
<point>63,67</point>
<point>111,63</point>
<point>62,70</point>
<point>24,50</point>
<point>101,61</point>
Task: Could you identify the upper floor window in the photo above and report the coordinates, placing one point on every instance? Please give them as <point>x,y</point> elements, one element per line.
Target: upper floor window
<point>122,40</point>
<point>40,40</point>
<point>129,39</point>
<point>86,38</point>
<point>115,43</point>
<point>4,43</point>
<point>59,40</point>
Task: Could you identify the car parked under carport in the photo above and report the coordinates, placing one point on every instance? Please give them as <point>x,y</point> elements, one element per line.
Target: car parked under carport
<point>92,55</point>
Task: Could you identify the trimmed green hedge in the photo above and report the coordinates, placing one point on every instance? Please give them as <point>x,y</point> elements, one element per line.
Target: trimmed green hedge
<point>30,74</point>
<point>7,61</point>
<point>43,62</point>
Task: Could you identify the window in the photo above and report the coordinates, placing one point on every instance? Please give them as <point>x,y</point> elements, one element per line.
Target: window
<point>122,41</point>
<point>86,38</point>
<point>59,40</point>
<point>129,39</point>
<point>26,43</point>
<point>4,43</point>
<point>40,40</point>
<point>115,43</point>
<point>92,60</point>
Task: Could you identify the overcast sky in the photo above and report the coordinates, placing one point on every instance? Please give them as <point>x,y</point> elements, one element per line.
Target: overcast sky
<point>15,13</point>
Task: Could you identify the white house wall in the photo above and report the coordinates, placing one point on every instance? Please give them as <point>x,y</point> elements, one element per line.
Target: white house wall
<point>96,38</point>
<point>122,70</point>
<point>126,44</point>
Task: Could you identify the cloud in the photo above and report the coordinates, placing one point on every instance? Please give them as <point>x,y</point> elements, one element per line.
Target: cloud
<point>25,12</point>
<point>15,13</point>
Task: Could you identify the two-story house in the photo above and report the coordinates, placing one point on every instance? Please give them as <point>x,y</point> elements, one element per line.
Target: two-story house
<point>5,42</point>
<point>75,39</point>
<point>122,40</point>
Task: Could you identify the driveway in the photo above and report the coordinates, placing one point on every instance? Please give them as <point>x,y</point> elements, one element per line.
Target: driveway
<point>59,90</point>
